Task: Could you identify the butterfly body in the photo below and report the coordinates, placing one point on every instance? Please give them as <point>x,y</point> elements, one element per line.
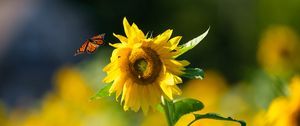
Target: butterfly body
<point>91,45</point>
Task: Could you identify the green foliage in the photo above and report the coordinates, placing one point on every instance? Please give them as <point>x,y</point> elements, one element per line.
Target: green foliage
<point>185,106</point>
<point>216,117</point>
<point>193,73</point>
<point>101,93</point>
<point>178,108</point>
<point>191,44</point>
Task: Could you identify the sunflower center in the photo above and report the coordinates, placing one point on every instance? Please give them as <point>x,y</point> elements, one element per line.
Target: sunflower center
<point>145,65</point>
<point>285,53</point>
<point>140,65</point>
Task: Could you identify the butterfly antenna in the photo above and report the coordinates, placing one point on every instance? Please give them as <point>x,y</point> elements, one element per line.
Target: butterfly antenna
<point>103,34</point>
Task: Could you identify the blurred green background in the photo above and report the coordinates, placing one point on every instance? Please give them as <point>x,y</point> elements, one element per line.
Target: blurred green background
<point>39,37</point>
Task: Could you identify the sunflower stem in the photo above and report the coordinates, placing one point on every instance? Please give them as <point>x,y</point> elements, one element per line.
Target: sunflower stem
<point>169,109</point>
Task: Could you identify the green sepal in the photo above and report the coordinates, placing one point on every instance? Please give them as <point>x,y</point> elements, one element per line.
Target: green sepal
<point>193,73</point>
<point>216,117</point>
<point>149,34</point>
<point>185,106</point>
<point>191,44</point>
<point>103,92</point>
<point>160,108</point>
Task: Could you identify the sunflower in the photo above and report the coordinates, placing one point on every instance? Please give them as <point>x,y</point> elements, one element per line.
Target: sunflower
<point>278,50</point>
<point>143,68</point>
<point>283,111</point>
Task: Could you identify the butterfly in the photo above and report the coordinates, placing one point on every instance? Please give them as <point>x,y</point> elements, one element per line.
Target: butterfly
<point>91,45</point>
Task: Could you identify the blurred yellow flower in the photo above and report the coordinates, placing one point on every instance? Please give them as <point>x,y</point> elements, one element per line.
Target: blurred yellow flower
<point>283,111</point>
<point>216,96</point>
<point>68,105</point>
<point>278,50</point>
<point>71,86</point>
<point>143,68</point>
<point>154,119</point>
<point>210,90</point>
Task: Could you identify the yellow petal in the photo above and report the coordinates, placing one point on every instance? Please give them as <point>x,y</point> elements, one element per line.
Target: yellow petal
<point>113,66</point>
<point>174,67</point>
<point>117,86</point>
<point>174,41</point>
<point>164,37</point>
<point>122,38</point>
<point>169,80</point>
<point>128,96</point>
<point>166,53</point>
<point>133,39</point>
<point>152,89</point>
<point>138,32</point>
<point>134,97</point>
<point>184,62</point>
<point>116,45</point>
<point>167,90</point>
<point>177,80</point>
<point>176,90</point>
<point>108,67</point>
<point>111,76</point>
<point>180,63</point>
<point>114,55</point>
<point>126,90</point>
<point>126,27</point>
<point>145,99</point>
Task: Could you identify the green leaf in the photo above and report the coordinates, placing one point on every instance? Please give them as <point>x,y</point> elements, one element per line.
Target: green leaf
<point>185,106</point>
<point>191,44</point>
<point>216,117</point>
<point>101,93</point>
<point>193,73</point>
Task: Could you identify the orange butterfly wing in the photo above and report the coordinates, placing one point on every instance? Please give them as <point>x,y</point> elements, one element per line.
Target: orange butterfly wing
<point>91,48</point>
<point>91,45</point>
<point>82,48</point>
<point>98,39</point>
